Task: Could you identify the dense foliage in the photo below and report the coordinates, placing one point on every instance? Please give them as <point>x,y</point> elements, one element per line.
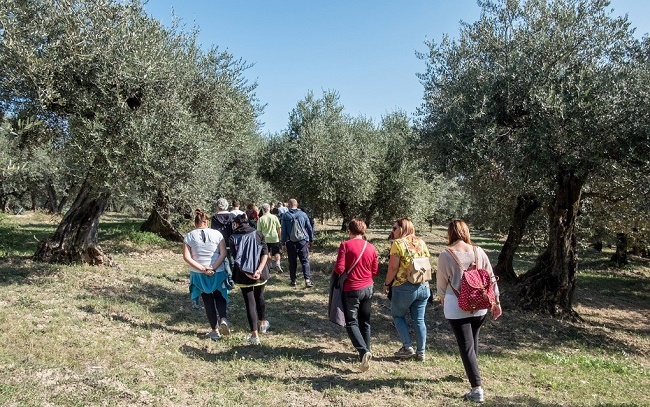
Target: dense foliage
<point>534,100</point>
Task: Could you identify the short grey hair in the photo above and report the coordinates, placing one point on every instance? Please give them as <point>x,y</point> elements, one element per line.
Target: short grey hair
<point>222,204</point>
<point>266,208</point>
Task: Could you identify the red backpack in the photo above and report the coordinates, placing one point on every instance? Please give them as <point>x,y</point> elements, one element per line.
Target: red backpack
<point>476,286</point>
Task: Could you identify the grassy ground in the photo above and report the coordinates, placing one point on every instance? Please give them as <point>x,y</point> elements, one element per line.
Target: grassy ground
<point>78,336</point>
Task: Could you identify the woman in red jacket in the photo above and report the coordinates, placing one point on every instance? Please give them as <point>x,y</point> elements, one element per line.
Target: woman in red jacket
<point>359,260</point>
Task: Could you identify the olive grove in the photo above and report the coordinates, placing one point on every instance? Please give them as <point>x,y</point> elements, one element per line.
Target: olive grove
<point>543,97</point>
<point>127,108</point>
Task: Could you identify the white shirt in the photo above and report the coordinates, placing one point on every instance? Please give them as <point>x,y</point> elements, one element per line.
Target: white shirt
<point>204,246</point>
<point>236,212</point>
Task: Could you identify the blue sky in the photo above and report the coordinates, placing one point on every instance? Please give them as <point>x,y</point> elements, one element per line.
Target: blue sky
<point>363,49</point>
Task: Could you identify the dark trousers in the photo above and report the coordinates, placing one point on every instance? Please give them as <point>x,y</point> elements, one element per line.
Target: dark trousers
<point>357,317</point>
<point>215,307</point>
<point>298,251</point>
<point>466,331</point>
<point>255,305</point>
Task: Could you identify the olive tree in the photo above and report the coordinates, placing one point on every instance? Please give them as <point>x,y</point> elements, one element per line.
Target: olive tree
<point>119,87</point>
<point>537,93</point>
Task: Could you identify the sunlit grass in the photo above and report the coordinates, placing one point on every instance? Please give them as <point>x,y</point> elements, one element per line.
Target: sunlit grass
<point>128,335</point>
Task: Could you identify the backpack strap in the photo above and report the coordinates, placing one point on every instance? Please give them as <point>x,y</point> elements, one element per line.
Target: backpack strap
<point>475,257</point>
<point>462,270</point>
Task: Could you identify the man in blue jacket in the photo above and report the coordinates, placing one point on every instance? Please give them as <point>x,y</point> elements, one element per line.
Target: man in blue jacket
<point>297,239</point>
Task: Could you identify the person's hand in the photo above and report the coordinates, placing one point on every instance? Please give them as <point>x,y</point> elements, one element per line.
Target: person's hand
<point>284,248</point>
<point>311,244</point>
<point>496,310</point>
<point>386,289</point>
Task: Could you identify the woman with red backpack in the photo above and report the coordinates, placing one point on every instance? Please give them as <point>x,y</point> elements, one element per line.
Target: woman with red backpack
<point>453,262</point>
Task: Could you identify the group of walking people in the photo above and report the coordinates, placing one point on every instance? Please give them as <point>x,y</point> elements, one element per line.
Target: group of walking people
<point>357,259</point>
<point>220,257</point>
<point>239,248</point>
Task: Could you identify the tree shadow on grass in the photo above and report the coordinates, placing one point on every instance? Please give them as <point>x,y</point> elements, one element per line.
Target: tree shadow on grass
<point>17,270</point>
<point>171,305</point>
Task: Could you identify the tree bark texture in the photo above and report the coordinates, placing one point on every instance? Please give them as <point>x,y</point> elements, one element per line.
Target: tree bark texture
<point>158,221</point>
<point>550,284</point>
<point>526,205</point>
<point>344,208</point>
<point>620,257</point>
<point>75,239</point>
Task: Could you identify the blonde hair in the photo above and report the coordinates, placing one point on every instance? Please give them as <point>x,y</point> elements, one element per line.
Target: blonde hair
<point>458,230</point>
<point>406,227</point>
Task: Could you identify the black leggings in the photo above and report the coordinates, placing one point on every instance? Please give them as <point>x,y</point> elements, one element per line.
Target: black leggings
<point>255,306</point>
<point>466,331</point>
<point>215,307</point>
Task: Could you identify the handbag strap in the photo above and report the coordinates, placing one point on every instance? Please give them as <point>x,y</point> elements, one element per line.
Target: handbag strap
<point>365,243</point>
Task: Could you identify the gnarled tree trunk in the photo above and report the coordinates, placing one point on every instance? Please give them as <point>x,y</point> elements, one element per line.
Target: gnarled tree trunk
<point>526,205</point>
<point>75,240</point>
<point>158,221</point>
<point>344,208</point>
<point>620,257</point>
<point>549,286</point>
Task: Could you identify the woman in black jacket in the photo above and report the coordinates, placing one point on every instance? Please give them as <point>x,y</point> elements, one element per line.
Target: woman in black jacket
<point>250,273</point>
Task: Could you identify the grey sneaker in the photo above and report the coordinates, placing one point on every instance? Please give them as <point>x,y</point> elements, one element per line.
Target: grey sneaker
<point>214,335</point>
<point>475,395</point>
<point>224,327</point>
<point>420,357</point>
<point>265,326</point>
<point>308,283</point>
<point>365,361</point>
<point>253,340</point>
<point>405,352</point>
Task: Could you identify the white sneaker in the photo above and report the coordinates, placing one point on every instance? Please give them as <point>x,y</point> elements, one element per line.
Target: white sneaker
<point>365,361</point>
<point>224,327</point>
<point>214,335</point>
<point>264,326</point>
<point>253,340</point>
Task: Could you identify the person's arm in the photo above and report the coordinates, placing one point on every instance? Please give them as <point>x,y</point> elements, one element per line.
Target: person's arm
<point>339,266</point>
<point>375,262</point>
<point>393,266</point>
<point>309,229</point>
<point>442,275</point>
<point>495,308</point>
<point>283,223</point>
<point>187,256</point>
<point>260,267</point>
<point>222,255</point>
<point>278,227</point>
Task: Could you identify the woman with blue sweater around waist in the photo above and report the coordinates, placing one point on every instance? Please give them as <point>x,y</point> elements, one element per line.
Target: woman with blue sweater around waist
<point>204,249</point>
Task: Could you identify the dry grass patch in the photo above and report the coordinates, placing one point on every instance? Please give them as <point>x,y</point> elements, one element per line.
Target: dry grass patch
<point>128,335</point>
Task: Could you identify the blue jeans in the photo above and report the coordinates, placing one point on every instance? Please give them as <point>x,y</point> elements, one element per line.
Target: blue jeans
<point>357,318</point>
<point>298,251</point>
<point>410,298</point>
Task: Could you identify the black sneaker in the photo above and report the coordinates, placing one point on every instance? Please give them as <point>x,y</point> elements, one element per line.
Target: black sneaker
<point>308,283</point>
<point>292,283</point>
